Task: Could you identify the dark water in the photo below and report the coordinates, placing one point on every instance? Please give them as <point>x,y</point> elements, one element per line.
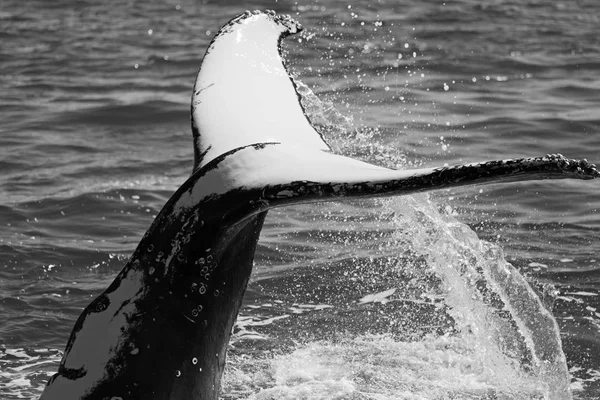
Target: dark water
<point>94,138</point>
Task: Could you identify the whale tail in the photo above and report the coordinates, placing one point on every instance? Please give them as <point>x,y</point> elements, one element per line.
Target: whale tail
<point>243,93</point>
<point>274,174</point>
<point>161,329</point>
<point>246,111</point>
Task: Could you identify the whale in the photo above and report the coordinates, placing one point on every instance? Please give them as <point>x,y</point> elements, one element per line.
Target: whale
<point>161,329</point>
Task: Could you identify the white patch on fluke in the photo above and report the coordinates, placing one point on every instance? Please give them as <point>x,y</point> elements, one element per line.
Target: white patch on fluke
<point>243,93</point>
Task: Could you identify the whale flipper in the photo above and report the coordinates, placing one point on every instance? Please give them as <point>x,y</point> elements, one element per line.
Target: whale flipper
<point>160,330</point>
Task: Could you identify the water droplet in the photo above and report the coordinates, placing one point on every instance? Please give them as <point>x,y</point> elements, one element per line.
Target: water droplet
<point>194,313</point>
<point>194,361</point>
<point>207,276</point>
<point>178,373</point>
<point>216,292</point>
<point>150,248</point>
<point>200,307</point>
<point>202,289</point>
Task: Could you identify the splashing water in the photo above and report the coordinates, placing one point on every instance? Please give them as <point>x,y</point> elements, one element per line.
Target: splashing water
<point>500,343</point>
<point>382,368</point>
<point>490,301</point>
<point>343,136</point>
<point>508,343</point>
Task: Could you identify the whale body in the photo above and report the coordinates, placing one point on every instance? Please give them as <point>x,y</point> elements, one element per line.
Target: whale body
<point>160,330</point>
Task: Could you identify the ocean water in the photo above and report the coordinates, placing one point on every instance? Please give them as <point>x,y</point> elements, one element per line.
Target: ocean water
<point>487,292</point>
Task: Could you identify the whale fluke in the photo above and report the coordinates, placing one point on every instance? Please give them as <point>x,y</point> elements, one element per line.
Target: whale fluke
<point>243,92</point>
<point>160,330</point>
<point>275,174</point>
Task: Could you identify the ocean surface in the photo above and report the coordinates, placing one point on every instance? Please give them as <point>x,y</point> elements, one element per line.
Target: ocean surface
<point>488,292</point>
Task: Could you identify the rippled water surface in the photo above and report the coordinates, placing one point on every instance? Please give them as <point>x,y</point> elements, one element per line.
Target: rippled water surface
<point>410,298</point>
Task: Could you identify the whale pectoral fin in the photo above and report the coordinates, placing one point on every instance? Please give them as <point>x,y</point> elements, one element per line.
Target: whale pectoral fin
<point>281,174</point>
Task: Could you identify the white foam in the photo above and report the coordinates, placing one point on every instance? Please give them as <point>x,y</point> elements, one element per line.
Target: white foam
<point>378,367</point>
